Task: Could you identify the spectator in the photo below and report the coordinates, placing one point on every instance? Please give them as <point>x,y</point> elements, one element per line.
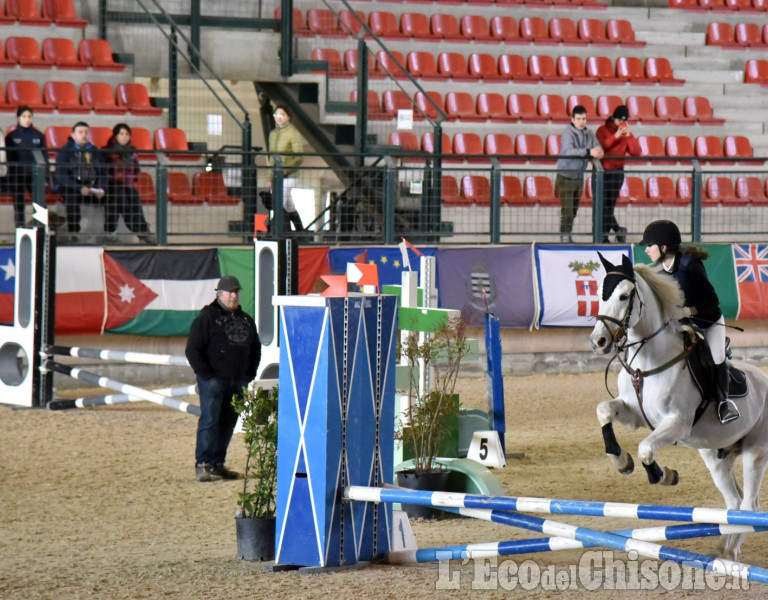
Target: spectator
<point>581,144</point>
<point>80,174</point>
<point>617,141</point>
<point>122,197</point>
<point>20,143</point>
<point>284,140</point>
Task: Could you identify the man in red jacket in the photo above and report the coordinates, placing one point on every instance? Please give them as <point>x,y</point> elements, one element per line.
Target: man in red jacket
<point>617,141</point>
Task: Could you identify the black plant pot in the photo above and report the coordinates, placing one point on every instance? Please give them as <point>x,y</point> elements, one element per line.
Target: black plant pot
<point>255,538</point>
<point>433,481</point>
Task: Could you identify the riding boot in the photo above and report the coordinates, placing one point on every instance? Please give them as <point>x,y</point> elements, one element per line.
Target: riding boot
<point>726,408</point>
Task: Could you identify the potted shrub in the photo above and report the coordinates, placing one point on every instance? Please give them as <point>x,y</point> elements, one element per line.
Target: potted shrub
<point>429,412</point>
<point>255,518</point>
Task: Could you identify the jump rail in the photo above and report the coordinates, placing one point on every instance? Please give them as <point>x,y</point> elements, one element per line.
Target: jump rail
<point>110,399</point>
<point>132,357</point>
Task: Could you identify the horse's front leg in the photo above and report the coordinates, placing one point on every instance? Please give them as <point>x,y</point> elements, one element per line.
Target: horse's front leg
<point>611,411</point>
<point>671,429</point>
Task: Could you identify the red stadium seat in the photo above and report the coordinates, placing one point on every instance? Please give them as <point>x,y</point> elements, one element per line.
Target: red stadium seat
<point>679,145</point>
<point>523,107</point>
<point>684,4</point>
<point>63,13</point>
<point>601,68</point>
<point>445,26</point>
<point>504,28</point>
<point>661,190</point>
<point>737,146</point>
<point>499,144</point>
<point>592,31</point>
<point>708,146</point>
<point>298,26</point>
<point>583,100</point>
<point>751,189</point>
<point>179,191</point>
<point>425,106</point>
<point>632,192</point>
<point>514,66</point>
<point>738,5</point>
<point>492,106</point>
<point>461,105</point>
<point>539,189</point>
<point>351,64</point>
<point>333,58</point>
<point>100,97</point>
<point>170,140</point>
<point>659,70</point>
<point>407,140</point>
<point>641,109</point>
<point>719,190</point>
<point>210,185</point>
<point>563,30</point>
<point>552,145</point>
<point>532,145</point>
<point>141,138</point>
<point>534,29</point>
<point>415,25</point>
<point>321,21</point>
<point>698,107</point>
<point>756,71</point>
<point>652,146</point>
<point>475,27</point>
<point>348,23</point>
<point>748,34</point>
<point>373,105</point>
<point>26,92</point>
<point>552,107</point>
<point>483,66</point>
<point>542,66</point>
<point>100,135</point>
<point>630,68</point>
<point>395,100</point>
<point>721,34</point>
<point>572,68</point>
<point>385,64</point>
<point>453,65</point>
<point>56,136</point>
<point>684,190</point>
<point>63,96</point>
<point>25,52</point>
<point>620,31</point>
<point>606,105</point>
<point>98,54</point>
<point>61,52</point>
<point>449,192</point>
<point>715,5</point>
<point>670,109</point>
<point>145,187</point>
<point>134,97</point>
<point>26,12</point>
<point>428,146</point>
<point>511,192</point>
<point>5,62</point>
<point>422,65</point>
<point>476,190</point>
<point>465,144</point>
<point>384,24</point>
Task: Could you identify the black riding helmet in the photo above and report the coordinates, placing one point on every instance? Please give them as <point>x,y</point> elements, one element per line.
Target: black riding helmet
<point>662,233</point>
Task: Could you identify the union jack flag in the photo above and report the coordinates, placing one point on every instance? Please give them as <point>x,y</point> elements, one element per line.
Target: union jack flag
<point>751,261</point>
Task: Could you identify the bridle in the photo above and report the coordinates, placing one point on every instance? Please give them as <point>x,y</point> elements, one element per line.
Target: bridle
<point>622,345</point>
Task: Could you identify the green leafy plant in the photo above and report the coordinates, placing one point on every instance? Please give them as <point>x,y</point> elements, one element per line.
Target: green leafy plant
<point>258,409</point>
<point>429,412</point>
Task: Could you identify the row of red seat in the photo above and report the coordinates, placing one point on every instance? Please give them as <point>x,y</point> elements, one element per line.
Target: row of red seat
<point>500,29</point>
<point>59,52</point>
<point>721,5</point>
<point>590,4</point>
<point>536,68</point>
<point>545,108</point>
<point>28,12</point>
<point>63,97</point>
<point>756,71</point>
<point>744,35</point>
<point>467,144</point>
<point>538,189</point>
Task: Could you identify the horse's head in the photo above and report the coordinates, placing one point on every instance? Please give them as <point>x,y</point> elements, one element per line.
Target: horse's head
<point>617,294</point>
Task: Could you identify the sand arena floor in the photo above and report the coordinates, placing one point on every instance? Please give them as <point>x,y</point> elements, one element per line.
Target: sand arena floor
<point>102,504</point>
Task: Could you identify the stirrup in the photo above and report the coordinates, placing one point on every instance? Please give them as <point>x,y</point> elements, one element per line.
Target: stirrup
<point>727,411</point>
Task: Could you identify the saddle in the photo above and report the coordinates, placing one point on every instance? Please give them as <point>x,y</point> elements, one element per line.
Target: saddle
<point>702,369</point>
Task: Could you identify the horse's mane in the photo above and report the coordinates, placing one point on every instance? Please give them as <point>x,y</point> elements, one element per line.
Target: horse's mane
<point>665,288</point>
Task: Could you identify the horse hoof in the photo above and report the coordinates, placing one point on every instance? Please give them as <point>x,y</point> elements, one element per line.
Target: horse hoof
<point>670,477</point>
<point>629,467</point>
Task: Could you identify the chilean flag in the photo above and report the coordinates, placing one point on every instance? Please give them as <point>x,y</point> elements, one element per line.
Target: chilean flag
<point>93,292</point>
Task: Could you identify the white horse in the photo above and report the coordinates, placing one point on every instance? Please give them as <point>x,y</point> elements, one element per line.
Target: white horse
<point>639,315</point>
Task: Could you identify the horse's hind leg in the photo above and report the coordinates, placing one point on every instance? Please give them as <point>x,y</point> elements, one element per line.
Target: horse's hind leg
<point>754,463</point>
<point>724,476</point>
<point>608,412</point>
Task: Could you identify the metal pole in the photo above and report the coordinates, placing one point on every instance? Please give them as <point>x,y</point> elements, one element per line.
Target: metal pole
<point>598,197</point>
<point>696,194</point>
<point>173,80</point>
<point>194,34</point>
<point>161,205</point>
<point>286,38</point>
<point>495,202</point>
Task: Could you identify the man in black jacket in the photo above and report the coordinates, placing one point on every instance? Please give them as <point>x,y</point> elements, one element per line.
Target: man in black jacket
<point>81,175</point>
<point>224,351</point>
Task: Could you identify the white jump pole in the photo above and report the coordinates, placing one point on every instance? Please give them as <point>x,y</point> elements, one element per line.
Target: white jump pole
<point>112,399</point>
<point>131,357</point>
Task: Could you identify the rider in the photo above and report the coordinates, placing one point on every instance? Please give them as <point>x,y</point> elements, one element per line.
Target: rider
<point>662,240</point>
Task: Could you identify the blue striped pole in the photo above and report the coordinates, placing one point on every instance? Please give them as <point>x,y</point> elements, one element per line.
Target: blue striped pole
<point>551,544</point>
<point>110,399</point>
<point>125,388</point>
<point>132,357</point>
<point>565,507</point>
